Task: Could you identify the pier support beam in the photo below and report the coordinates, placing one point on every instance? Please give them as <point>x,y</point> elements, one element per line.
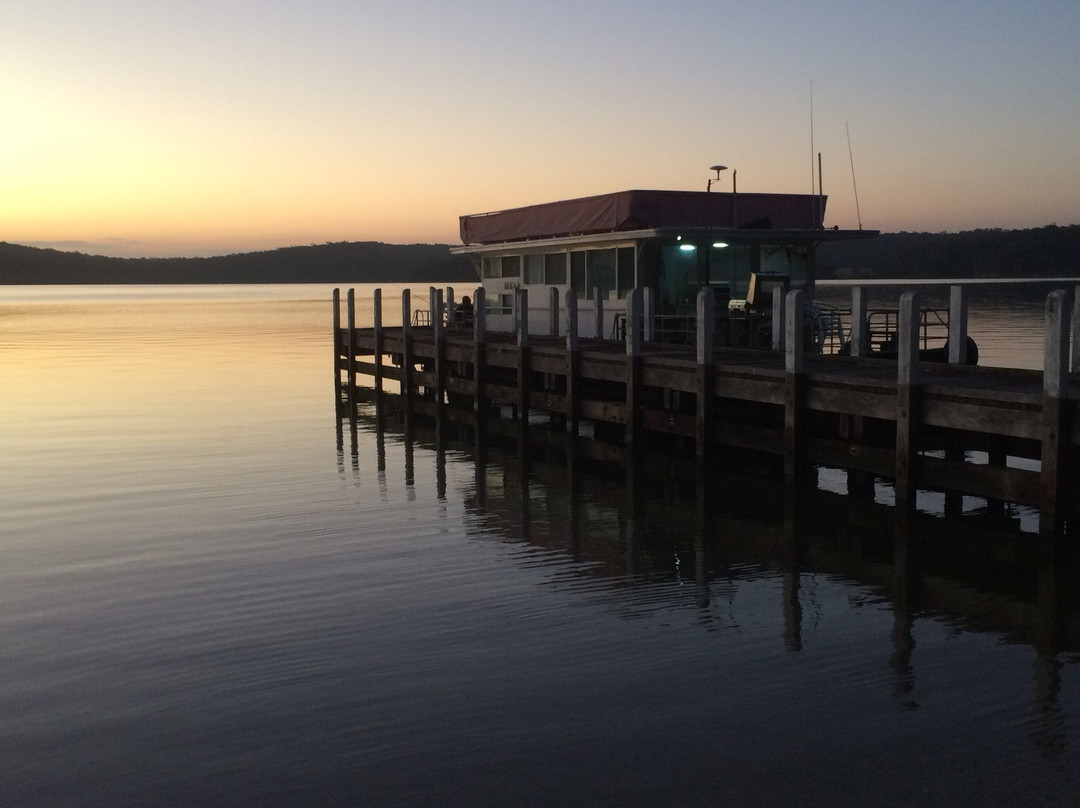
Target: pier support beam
<point>553,312</point>
<point>438,339</point>
<point>779,320</point>
<point>406,351</point>
<point>351,372</point>
<point>598,305</point>
<point>907,393</point>
<point>706,340</point>
<point>337,348</point>
<point>378,336</point>
<point>1055,395</point>
<point>794,382</point>
<point>1074,364</point>
<point>573,364</point>
<point>523,359</point>
<point>958,322</point>
<point>860,333</point>
<point>633,364</point>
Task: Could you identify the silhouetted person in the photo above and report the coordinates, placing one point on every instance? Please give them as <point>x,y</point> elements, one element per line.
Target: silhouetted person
<point>465,311</point>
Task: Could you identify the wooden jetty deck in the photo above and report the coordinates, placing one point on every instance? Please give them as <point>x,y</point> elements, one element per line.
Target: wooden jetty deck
<point>1006,435</point>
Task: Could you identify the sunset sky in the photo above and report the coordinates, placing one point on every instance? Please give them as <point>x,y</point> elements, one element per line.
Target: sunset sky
<point>198,127</point>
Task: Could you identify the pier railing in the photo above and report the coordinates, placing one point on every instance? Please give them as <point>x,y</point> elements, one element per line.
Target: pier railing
<point>1002,434</point>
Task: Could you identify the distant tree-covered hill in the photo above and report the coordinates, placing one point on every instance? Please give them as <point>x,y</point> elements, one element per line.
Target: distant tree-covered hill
<point>345,262</point>
<point>1050,251</point>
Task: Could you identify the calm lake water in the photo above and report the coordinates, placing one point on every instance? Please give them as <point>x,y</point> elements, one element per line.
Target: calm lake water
<point>212,592</point>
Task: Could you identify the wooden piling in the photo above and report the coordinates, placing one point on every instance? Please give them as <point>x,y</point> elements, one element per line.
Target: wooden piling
<point>779,321</point>
<point>860,336</point>
<point>598,305</point>
<point>794,344</point>
<point>573,364</point>
<point>1055,394</point>
<point>406,349</point>
<point>479,352</point>
<point>1074,364</point>
<point>439,342</point>
<point>648,303</point>
<point>907,390</point>
<point>378,338</point>
<point>706,354</point>
<point>522,298</point>
<point>351,368</point>
<point>553,311</point>
<point>337,346</point>
<point>958,322</point>
<point>633,364</point>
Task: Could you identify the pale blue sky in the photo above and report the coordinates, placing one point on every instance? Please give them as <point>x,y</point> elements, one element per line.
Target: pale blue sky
<point>193,127</point>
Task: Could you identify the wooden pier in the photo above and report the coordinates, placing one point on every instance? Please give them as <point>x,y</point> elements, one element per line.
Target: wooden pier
<point>1005,435</point>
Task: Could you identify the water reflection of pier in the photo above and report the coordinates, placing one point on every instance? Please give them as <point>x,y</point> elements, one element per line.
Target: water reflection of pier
<point>624,523</point>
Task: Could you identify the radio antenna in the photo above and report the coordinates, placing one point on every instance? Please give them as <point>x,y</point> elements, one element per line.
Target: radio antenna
<point>854,187</point>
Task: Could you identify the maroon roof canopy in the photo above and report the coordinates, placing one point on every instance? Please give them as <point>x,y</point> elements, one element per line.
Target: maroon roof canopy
<point>643,210</point>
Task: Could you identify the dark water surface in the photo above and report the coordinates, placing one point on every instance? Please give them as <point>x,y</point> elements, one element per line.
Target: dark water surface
<point>209,597</point>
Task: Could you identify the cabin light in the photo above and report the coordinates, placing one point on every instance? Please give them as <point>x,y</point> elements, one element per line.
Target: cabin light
<point>720,244</point>
<point>687,247</point>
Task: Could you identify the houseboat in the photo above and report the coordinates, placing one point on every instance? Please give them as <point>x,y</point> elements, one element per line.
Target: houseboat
<point>672,244</point>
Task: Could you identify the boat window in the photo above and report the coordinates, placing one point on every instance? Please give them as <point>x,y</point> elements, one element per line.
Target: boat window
<point>492,267</point>
<point>511,266</point>
<point>534,269</point>
<point>625,280</point>
<point>577,275</point>
<point>602,270</point>
<point>555,269</point>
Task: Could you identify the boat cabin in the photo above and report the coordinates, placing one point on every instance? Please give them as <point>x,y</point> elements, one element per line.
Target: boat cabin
<point>670,243</point>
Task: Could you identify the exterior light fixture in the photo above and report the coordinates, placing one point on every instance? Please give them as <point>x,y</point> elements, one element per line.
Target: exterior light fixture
<point>720,244</point>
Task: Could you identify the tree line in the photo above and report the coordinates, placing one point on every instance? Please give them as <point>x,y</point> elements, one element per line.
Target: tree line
<point>341,262</point>
<point>1050,251</point>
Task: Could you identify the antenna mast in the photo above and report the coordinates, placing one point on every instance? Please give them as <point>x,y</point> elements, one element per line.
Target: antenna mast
<point>854,187</point>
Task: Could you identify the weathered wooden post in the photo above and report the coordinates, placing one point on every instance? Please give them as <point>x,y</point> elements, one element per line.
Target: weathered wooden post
<point>479,351</point>
<point>907,392</point>
<point>958,323</point>
<point>438,342</point>
<point>523,359</point>
<point>351,373</point>
<point>573,364</point>
<point>648,302</point>
<point>378,334</point>
<point>706,354</point>
<point>1054,426</point>
<point>598,303</point>
<point>779,322</point>
<point>860,336</point>
<point>1074,365</point>
<point>406,350</point>
<point>451,307</point>
<point>337,347</point>
<point>794,346</point>
<point>553,312</point>
<point>633,364</point>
